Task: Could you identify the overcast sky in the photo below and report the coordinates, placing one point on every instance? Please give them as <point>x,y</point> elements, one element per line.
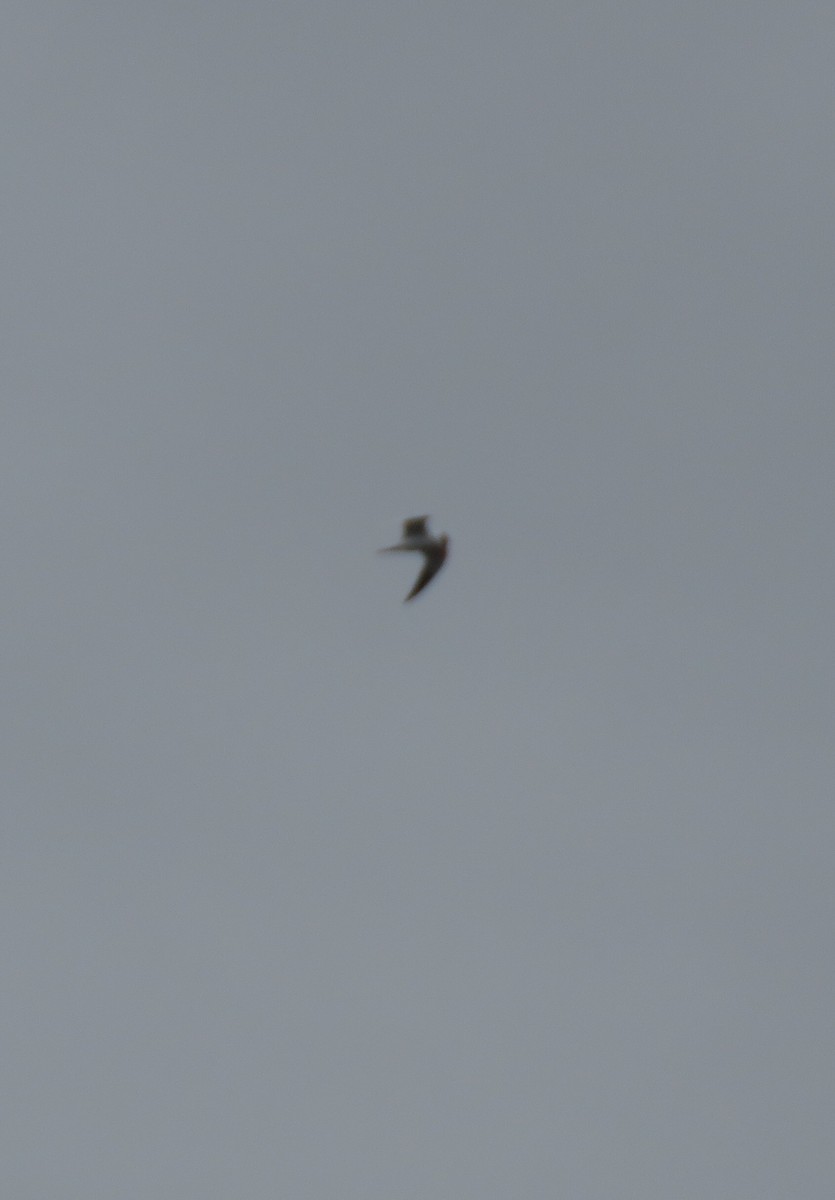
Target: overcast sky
<point>524,889</point>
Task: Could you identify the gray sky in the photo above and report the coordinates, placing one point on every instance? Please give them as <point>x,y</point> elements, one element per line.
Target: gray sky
<point>521,890</point>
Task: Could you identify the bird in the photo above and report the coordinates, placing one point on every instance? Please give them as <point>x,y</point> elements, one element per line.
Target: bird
<point>434,550</point>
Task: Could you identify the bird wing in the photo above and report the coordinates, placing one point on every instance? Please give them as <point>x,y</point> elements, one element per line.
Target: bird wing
<point>414,527</point>
<point>434,561</point>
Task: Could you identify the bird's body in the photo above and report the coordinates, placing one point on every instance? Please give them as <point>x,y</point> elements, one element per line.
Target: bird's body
<point>416,537</point>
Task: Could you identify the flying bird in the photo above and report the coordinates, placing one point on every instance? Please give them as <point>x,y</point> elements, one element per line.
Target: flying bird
<point>434,550</point>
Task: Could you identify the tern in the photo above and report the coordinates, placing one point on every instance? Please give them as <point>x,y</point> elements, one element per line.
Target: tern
<point>434,550</point>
